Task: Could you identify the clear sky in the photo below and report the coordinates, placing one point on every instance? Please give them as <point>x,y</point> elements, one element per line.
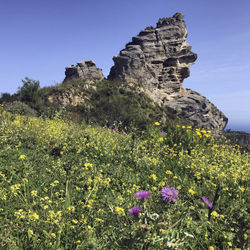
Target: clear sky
<point>39,38</point>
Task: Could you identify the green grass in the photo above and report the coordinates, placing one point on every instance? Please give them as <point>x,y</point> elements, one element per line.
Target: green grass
<point>67,186</point>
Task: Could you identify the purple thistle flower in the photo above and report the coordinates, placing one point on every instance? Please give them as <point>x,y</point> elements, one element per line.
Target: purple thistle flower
<point>142,194</point>
<point>207,201</point>
<point>169,193</point>
<point>134,211</point>
<point>163,133</point>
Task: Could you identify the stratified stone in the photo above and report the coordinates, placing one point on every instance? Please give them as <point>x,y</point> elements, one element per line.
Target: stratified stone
<point>200,111</point>
<point>83,70</point>
<point>158,59</point>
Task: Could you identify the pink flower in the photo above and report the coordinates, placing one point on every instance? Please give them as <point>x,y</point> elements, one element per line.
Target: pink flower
<point>207,201</point>
<point>134,210</point>
<point>142,194</point>
<point>169,193</point>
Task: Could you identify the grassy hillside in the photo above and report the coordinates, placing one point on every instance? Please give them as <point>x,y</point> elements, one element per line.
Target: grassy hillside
<point>103,102</point>
<point>69,186</point>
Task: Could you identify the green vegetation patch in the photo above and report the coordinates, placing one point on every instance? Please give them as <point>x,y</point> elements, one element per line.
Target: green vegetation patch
<point>67,186</point>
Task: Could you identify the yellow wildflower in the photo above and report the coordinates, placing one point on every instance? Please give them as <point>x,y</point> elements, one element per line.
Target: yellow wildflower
<point>88,165</point>
<point>20,214</point>
<point>71,209</point>
<point>160,139</point>
<point>98,219</point>
<point>120,211</point>
<point>15,187</point>
<point>22,157</point>
<point>107,181</point>
<point>222,216</point>
<point>30,233</point>
<point>162,184</point>
<point>34,216</point>
<point>89,181</point>
<point>90,228</point>
<point>53,235</point>
<point>168,172</point>
<point>153,177</point>
<point>191,191</point>
<point>33,193</point>
<point>74,221</point>
<point>157,124</point>
<point>215,214</point>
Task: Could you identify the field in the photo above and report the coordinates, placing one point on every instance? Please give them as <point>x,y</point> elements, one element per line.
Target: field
<point>69,186</point>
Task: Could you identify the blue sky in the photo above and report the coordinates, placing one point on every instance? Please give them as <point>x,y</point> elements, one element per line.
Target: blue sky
<point>40,38</point>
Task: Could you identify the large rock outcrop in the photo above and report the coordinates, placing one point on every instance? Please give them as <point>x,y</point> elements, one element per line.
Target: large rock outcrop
<point>199,110</point>
<point>158,59</point>
<point>83,70</point>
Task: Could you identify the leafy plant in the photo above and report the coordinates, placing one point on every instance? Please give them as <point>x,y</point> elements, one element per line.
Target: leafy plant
<point>28,93</point>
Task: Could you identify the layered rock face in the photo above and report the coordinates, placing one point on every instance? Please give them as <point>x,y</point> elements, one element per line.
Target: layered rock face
<point>158,59</point>
<point>84,70</point>
<point>67,98</point>
<point>200,111</point>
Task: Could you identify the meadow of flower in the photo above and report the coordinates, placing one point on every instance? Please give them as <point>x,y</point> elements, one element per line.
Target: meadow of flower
<point>66,186</point>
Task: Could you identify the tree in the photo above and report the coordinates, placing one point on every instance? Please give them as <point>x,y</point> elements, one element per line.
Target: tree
<point>5,98</point>
<point>29,92</point>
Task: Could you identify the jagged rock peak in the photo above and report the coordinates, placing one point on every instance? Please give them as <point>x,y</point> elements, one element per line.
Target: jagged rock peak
<point>84,70</point>
<point>158,59</point>
<point>169,20</point>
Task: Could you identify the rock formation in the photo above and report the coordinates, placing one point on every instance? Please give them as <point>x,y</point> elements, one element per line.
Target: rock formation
<point>66,98</point>
<point>84,70</point>
<point>158,59</point>
<point>199,110</point>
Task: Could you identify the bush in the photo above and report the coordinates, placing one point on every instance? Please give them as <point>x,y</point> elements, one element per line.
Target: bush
<point>6,97</point>
<point>28,93</point>
<point>117,103</point>
<point>20,108</point>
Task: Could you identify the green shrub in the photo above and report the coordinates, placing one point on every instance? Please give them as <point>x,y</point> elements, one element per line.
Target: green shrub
<point>113,103</point>
<point>20,108</point>
<point>6,97</point>
<point>28,93</point>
